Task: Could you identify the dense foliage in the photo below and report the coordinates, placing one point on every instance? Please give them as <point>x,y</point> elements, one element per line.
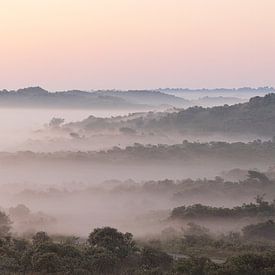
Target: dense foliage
<point>198,211</point>
<point>263,230</point>
<point>108,251</point>
<point>185,153</point>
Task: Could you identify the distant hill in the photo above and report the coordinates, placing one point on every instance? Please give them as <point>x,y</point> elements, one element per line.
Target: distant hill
<point>37,97</point>
<point>152,98</point>
<point>211,101</point>
<point>193,94</point>
<point>254,117</point>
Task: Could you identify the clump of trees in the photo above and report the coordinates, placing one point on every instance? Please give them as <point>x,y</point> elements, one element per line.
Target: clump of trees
<point>246,264</point>
<point>260,208</point>
<point>5,224</point>
<point>106,251</point>
<point>263,230</point>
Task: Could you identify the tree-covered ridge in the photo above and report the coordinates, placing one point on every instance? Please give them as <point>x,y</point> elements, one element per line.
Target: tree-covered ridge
<point>185,152</point>
<point>254,117</point>
<point>259,209</point>
<point>39,98</point>
<point>125,99</point>
<point>170,193</point>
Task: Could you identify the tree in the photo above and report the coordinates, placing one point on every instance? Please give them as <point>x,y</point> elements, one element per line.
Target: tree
<point>56,122</point>
<point>265,230</point>
<point>196,266</point>
<point>153,258</point>
<point>109,238</point>
<point>261,177</point>
<point>46,262</point>
<point>20,211</point>
<point>40,238</point>
<point>195,229</point>
<point>247,264</point>
<point>102,261</point>
<point>5,224</point>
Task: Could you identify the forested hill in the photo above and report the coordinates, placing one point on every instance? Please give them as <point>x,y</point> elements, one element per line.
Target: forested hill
<point>36,97</point>
<point>40,98</point>
<point>255,117</point>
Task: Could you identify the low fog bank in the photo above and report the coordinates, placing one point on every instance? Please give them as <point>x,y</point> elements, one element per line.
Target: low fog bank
<point>96,133</point>
<point>139,162</point>
<point>49,130</point>
<point>144,208</point>
<point>244,93</point>
<point>20,126</point>
<point>239,122</point>
<point>54,130</point>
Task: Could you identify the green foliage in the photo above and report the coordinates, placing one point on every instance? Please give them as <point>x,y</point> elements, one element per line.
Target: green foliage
<point>102,261</point>
<point>198,211</point>
<point>256,117</point>
<point>40,238</point>
<point>46,262</point>
<point>265,230</point>
<point>195,229</point>
<point>261,177</point>
<point>5,224</point>
<point>247,264</point>
<point>110,239</point>
<point>185,152</point>
<point>109,251</point>
<point>195,266</point>
<point>152,258</point>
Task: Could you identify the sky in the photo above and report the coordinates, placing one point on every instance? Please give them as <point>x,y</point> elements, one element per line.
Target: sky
<point>136,44</point>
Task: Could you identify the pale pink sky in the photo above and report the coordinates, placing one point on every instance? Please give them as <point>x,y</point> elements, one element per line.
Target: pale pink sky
<point>91,44</point>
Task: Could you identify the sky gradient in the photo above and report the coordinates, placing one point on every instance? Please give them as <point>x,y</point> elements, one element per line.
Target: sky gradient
<point>127,44</point>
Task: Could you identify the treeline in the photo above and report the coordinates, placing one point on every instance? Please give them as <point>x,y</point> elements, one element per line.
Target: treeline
<point>254,117</point>
<point>36,97</point>
<point>101,99</point>
<point>186,152</point>
<point>259,209</point>
<point>176,191</point>
<point>108,251</point>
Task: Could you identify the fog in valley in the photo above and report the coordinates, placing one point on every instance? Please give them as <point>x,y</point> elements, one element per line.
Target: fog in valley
<point>69,165</point>
<point>162,174</point>
<point>137,137</point>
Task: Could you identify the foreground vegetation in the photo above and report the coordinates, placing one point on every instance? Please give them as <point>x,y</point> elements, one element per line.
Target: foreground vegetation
<point>195,239</point>
<point>108,251</point>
